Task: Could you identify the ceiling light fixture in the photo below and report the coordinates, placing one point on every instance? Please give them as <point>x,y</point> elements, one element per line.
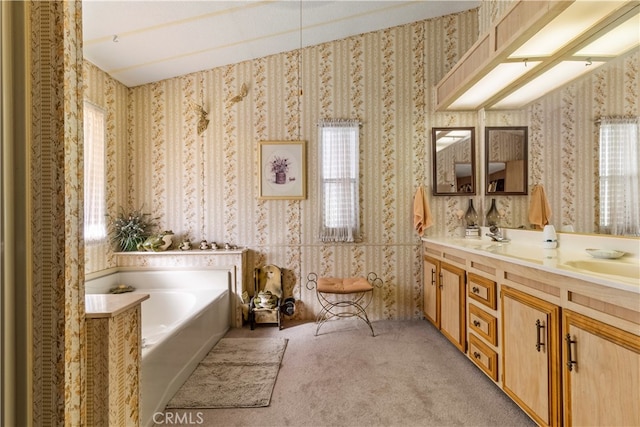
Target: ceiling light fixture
<point>553,39</point>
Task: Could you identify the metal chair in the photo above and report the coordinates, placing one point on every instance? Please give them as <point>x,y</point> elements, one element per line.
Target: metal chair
<point>343,297</point>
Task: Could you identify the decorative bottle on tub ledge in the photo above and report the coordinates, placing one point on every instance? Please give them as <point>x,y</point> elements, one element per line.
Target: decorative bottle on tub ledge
<point>471,218</point>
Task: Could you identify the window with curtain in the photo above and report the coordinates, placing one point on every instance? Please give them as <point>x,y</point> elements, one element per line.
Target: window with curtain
<point>339,180</point>
<point>619,176</point>
<point>95,227</point>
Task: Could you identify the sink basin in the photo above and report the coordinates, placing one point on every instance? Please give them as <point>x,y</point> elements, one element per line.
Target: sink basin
<point>613,268</point>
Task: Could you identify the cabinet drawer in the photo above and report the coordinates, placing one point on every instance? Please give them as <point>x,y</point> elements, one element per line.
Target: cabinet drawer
<point>484,324</point>
<point>483,356</point>
<point>482,290</point>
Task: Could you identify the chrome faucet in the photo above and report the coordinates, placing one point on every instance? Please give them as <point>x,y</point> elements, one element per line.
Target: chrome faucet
<point>496,234</point>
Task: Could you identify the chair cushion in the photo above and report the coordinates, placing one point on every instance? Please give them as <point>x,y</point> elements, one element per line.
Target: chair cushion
<point>349,285</point>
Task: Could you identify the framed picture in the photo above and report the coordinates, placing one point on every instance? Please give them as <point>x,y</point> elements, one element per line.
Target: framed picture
<point>282,169</point>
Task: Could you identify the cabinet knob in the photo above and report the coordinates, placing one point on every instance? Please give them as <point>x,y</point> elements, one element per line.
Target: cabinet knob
<point>476,355</point>
<point>476,323</point>
<point>475,290</point>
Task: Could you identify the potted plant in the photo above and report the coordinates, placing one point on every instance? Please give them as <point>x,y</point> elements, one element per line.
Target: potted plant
<point>280,167</point>
<point>130,229</point>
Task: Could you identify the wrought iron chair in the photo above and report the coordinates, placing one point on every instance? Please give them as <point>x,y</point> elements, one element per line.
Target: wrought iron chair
<point>264,306</point>
<point>343,297</point>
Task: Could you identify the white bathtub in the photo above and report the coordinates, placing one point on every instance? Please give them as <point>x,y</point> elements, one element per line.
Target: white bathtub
<point>185,316</point>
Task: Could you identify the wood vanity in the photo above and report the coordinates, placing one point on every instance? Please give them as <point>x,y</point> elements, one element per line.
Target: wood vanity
<point>564,346</point>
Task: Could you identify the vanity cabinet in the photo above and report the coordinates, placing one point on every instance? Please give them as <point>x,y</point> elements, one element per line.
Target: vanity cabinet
<point>444,300</point>
<point>530,354</point>
<point>594,353</point>
<point>564,349</point>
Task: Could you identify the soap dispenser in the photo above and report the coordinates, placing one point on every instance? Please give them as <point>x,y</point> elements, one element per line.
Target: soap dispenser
<point>549,237</point>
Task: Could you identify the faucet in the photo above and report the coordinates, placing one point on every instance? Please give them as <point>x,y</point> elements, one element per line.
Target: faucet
<point>496,234</point>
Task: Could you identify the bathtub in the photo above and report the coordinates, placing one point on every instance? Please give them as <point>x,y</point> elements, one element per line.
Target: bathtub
<point>187,313</point>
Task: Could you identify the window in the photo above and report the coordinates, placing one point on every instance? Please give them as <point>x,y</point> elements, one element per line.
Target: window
<point>619,177</point>
<point>95,229</point>
<point>339,183</point>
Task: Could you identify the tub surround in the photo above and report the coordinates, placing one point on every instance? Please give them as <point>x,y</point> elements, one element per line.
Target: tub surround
<point>113,358</point>
<point>233,260</point>
<point>110,305</point>
<point>184,314</point>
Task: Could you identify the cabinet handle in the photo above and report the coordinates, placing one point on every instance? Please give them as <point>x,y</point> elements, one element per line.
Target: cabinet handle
<point>476,323</point>
<point>476,355</point>
<point>441,286</point>
<point>539,327</point>
<point>433,277</point>
<point>570,361</point>
<point>475,290</point>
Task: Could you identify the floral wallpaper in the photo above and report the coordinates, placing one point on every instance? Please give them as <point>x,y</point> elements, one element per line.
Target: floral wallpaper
<point>57,355</point>
<point>206,186</point>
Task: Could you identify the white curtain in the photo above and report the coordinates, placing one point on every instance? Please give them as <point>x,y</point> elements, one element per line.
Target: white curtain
<point>619,176</point>
<point>339,180</point>
<point>95,229</point>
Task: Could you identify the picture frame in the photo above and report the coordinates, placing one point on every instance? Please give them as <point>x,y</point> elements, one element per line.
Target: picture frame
<point>283,170</point>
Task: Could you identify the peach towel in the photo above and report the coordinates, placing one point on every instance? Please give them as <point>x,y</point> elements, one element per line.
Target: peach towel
<point>421,213</point>
<point>539,210</point>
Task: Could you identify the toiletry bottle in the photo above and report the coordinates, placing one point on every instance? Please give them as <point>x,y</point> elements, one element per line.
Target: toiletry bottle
<point>549,237</point>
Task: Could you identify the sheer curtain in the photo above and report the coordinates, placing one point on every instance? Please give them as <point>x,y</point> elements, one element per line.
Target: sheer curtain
<point>95,229</point>
<point>619,177</point>
<point>339,180</point>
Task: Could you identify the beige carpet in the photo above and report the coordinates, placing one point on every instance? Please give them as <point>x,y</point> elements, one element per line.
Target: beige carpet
<point>237,373</point>
<point>408,375</point>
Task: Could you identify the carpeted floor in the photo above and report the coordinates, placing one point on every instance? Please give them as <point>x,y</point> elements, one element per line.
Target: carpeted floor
<point>408,375</point>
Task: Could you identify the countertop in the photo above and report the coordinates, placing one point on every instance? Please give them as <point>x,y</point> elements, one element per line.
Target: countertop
<point>109,305</point>
<point>552,260</point>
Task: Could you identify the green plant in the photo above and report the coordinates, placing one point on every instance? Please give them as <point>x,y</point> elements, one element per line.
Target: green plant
<point>130,229</point>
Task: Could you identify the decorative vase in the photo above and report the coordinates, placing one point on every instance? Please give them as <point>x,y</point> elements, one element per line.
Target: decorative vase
<point>471,216</point>
<point>281,178</point>
<point>492,215</point>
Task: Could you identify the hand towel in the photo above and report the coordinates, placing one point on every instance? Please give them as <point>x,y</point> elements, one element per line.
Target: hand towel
<point>421,213</point>
<point>539,209</point>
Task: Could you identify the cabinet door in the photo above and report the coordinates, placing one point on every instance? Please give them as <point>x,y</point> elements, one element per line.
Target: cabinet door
<point>602,385</point>
<point>452,305</point>
<point>530,355</point>
<point>430,291</point>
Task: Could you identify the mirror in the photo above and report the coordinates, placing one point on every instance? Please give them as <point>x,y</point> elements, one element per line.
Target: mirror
<point>454,164</point>
<point>506,160</point>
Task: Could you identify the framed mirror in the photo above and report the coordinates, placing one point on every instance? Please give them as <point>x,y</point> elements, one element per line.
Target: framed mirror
<point>506,160</point>
<point>454,163</point>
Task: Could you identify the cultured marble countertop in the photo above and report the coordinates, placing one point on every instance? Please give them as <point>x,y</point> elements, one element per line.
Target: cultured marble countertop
<point>109,305</point>
<point>553,260</point>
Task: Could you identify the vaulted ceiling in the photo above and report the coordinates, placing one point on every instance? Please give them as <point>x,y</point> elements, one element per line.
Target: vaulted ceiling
<point>139,42</point>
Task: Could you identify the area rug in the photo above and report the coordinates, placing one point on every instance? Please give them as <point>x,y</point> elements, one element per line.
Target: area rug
<point>237,373</point>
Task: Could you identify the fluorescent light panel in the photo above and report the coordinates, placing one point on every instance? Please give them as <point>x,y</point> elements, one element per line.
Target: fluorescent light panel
<point>496,80</point>
<point>555,77</point>
<point>573,21</point>
<point>621,39</point>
